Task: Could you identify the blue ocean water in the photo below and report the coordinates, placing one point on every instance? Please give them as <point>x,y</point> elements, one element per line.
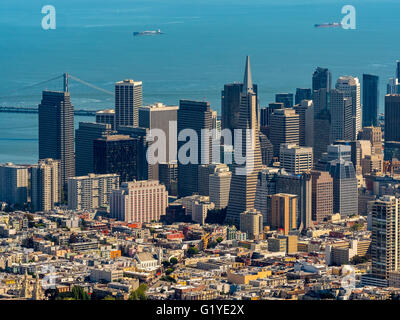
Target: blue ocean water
<point>204,46</point>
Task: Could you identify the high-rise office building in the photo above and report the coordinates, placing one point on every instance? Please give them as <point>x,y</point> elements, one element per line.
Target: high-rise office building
<point>84,137</point>
<point>385,244</point>
<point>322,195</point>
<point>302,94</point>
<point>45,184</point>
<point>370,100</point>
<point>300,185</point>
<point>295,159</point>
<point>266,185</point>
<point>92,191</point>
<point>392,117</point>
<point>267,149</point>
<point>56,132</point>
<point>139,201</point>
<point>345,193</point>
<point>251,222</point>
<point>160,117</point>
<point>284,128</point>
<point>128,98</point>
<point>322,123</point>
<point>350,86</point>
<point>265,113</point>
<point>305,110</point>
<point>283,208</point>
<point>230,105</point>
<point>374,135</point>
<point>106,116</point>
<point>244,177</point>
<point>219,186</point>
<point>14,182</point>
<point>341,116</point>
<point>116,154</point>
<point>285,98</point>
<point>194,115</point>
<point>321,79</point>
<point>168,176</point>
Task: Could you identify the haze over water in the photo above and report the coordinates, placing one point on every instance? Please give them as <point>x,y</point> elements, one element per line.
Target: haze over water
<point>204,47</point>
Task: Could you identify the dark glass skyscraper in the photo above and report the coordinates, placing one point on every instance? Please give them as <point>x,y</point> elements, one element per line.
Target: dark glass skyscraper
<point>56,132</point>
<point>116,154</point>
<point>302,94</point>
<point>322,79</point>
<point>195,115</point>
<point>285,98</point>
<point>370,100</point>
<point>84,137</point>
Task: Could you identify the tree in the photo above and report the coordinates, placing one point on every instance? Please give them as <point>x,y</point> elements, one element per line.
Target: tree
<point>139,293</point>
<point>192,251</point>
<point>79,294</point>
<point>109,298</point>
<point>169,271</point>
<point>173,260</point>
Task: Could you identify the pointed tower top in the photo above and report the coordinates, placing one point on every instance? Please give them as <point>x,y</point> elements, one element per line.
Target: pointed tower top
<point>248,80</point>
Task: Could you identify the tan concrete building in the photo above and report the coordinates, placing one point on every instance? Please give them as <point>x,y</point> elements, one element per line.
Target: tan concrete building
<point>219,186</point>
<point>92,191</point>
<point>251,222</point>
<point>13,183</point>
<point>295,159</point>
<point>45,184</point>
<point>139,201</point>
<point>322,195</point>
<point>283,209</point>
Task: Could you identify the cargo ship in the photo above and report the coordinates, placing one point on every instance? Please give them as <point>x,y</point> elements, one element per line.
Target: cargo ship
<point>328,25</point>
<point>148,33</point>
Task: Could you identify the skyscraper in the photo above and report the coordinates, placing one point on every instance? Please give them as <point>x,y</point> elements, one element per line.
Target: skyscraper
<point>285,98</point>
<point>219,186</point>
<point>295,159</point>
<point>128,98</point>
<point>302,94</point>
<point>159,116</point>
<point>350,86</point>
<point>45,185</point>
<point>321,79</point>
<point>322,123</point>
<point>251,222</point>
<point>385,244</point>
<point>370,100</point>
<point>283,208</point>
<point>84,137</point>
<point>265,118</point>
<point>230,105</point>
<point>392,117</point>
<point>305,110</point>
<point>243,184</point>
<point>13,183</point>
<point>116,154</point>
<point>56,132</point>
<point>345,193</point>
<point>194,115</point>
<point>322,195</point>
<point>106,116</point>
<point>341,116</point>
<point>284,128</point>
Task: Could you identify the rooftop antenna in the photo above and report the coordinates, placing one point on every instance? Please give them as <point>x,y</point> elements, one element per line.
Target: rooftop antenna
<point>66,82</point>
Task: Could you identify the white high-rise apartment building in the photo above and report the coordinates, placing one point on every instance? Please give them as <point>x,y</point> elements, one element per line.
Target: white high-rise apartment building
<point>350,86</point>
<point>92,191</point>
<point>128,99</point>
<point>139,201</point>
<point>295,159</point>
<point>45,184</point>
<point>13,183</point>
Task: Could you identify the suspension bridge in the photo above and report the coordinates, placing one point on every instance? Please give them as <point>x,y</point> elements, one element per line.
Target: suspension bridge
<point>66,78</point>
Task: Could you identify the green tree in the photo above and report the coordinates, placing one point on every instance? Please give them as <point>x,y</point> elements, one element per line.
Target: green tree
<point>192,251</point>
<point>173,260</point>
<point>139,293</point>
<point>109,298</point>
<point>79,294</point>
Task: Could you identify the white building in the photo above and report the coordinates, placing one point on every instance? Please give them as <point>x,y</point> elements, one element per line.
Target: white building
<point>350,86</point>
<point>92,191</point>
<point>139,201</point>
<point>219,186</point>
